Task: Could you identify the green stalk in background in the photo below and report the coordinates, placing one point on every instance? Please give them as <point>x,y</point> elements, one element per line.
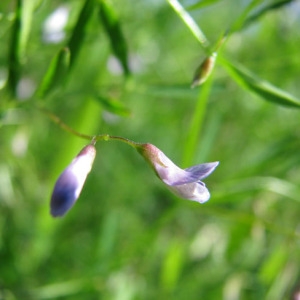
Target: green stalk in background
<point>191,24</point>
<point>193,134</point>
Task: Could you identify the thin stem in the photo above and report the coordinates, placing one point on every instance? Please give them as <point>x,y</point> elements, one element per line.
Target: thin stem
<point>63,125</point>
<point>107,137</point>
<point>191,24</point>
<point>196,124</point>
<point>93,139</point>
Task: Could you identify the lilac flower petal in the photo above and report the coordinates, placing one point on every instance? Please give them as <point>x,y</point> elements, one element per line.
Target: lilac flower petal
<point>203,170</point>
<point>172,176</point>
<point>180,178</point>
<point>195,191</point>
<point>168,172</point>
<point>176,176</point>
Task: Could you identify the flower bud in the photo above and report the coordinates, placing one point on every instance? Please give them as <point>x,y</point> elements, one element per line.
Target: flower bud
<point>204,70</point>
<point>69,184</point>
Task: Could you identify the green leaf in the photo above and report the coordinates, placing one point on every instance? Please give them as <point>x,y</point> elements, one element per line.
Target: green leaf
<point>259,86</point>
<point>173,265</point>
<point>201,4</point>
<point>190,23</point>
<point>112,105</point>
<point>28,7</point>
<point>78,34</point>
<point>264,10</point>
<point>113,29</point>
<point>273,263</point>
<point>14,57</point>
<point>240,21</point>
<point>19,39</point>
<point>175,91</point>
<point>274,185</point>
<point>248,16</point>
<point>55,73</point>
<point>196,124</point>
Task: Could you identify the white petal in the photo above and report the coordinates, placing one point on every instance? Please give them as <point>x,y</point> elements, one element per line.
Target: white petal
<point>171,174</point>
<point>192,191</point>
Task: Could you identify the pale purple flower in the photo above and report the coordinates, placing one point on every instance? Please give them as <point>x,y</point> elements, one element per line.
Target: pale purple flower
<point>69,184</point>
<point>185,183</point>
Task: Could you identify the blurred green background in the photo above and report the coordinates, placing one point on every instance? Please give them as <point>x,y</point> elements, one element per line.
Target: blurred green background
<point>125,68</point>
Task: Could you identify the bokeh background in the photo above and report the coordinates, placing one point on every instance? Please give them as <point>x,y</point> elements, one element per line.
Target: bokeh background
<point>129,74</point>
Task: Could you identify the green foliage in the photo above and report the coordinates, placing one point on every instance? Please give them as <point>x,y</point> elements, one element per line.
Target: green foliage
<point>80,29</point>
<point>127,237</point>
<point>56,73</point>
<point>113,29</point>
<point>264,89</point>
<point>113,106</point>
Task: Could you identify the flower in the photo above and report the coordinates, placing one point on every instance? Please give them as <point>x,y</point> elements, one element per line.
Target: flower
<point>185,183</point>
<point>69,184</point>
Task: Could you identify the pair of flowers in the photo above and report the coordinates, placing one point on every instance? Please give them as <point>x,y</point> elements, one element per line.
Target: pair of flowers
<point>185,183</point>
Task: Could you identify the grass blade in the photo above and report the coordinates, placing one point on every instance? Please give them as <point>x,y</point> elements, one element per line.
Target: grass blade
<point>28,7</point>
<point>240,21</point>
<point>189,21</point>
<point>14,57</point>
<point>264,10</point>
<point>19,39</point>
<point>262,88</point>
<point>113,29</point>
<point>275,185</point>
<point>194,131</point>
<point>112,105</point>
<point>78,34</point>
<point>55,73</point>
<point>201,4</point>
<point>247,17</point>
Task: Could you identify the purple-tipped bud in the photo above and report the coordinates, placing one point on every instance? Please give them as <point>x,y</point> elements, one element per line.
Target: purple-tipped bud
<point>204,70</point>
<point>185,183</point>
<point>69,184</point>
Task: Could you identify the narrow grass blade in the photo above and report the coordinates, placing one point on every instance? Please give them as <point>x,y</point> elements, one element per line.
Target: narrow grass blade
<point>28,7</point>
<point>245,185</point>
<point>55,73</point>
<point>191,24</point>
<point>79,31</point>
<point>259,86</point>
<point>247,17</point>
<point>114,32</point>
<point>264,10</point>
<point>60,289</point>
<point>273,264</point>
<point>14,51</point>
<point>201,4</point>
<point>193,134</point>
<point>112,105</point>
<point>19,39</point>
<point>240,21</point>
<point>173,265</point>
